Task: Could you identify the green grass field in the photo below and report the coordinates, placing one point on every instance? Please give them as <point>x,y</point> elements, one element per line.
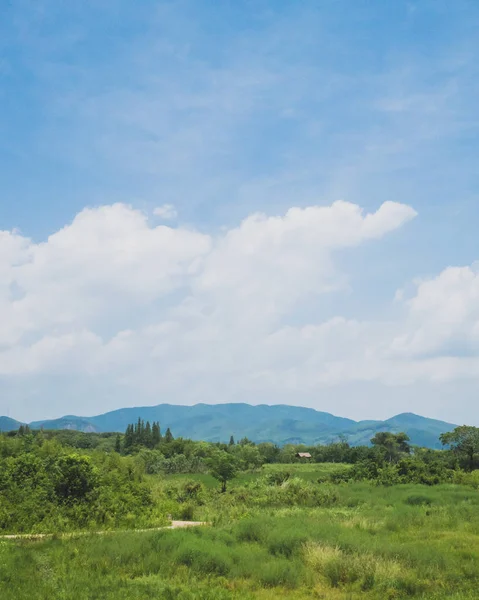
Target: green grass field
<point>300,540</point>
<point>306,471</point>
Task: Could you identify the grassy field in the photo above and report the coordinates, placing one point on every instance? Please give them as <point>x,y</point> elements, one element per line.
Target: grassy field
<point>299,540</point>
<point>306,471</point>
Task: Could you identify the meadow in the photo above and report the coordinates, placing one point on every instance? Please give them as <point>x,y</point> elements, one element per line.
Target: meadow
<point>306,471</point>
<point>279,532</point>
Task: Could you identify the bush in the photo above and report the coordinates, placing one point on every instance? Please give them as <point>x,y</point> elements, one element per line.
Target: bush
<point>187,512</point>
<point>204,560</point>
<point>56,490</point>
<point>296,492</point>
<point>253,530</point>
<point>418,500</point>
<point>278,477</point>
<point>281,573</point>
<point>464,478</point>
<point>367,469</point>
<point>285,543</point>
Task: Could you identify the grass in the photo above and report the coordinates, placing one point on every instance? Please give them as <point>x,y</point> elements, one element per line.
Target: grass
<point>306,471</point>
<point>369,542</point>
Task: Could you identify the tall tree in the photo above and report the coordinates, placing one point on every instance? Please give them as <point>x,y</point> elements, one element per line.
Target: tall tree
<point>118,444</point>
<point>168,436</point>
<point>155,434</point>
<point>464,441</point>
<point>129,440</point>
<point>148,440</point>
<point>232,441</point>
<point>246,442</point>
<point>223,467</point>
<point>393,445</point>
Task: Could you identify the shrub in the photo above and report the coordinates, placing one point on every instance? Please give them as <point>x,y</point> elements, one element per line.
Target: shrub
<point>281,573</point>
<point>278,477</point>
<point>464,478</point>
<point>285,543</point>
<point>187,512</point>
<point>204,560</point>
<point>413,470</point>
<point>367,469</point>
<point>253,530</point>
<point>418,500</point>
<point>297,492</point>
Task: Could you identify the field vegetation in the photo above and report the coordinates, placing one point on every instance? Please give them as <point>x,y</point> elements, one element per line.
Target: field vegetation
<point>386,521</point>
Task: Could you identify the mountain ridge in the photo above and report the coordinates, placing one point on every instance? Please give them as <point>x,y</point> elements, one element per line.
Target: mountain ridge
<point>278,423</point>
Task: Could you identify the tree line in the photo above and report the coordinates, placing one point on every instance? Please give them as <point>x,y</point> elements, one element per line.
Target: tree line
<point>390,458</point>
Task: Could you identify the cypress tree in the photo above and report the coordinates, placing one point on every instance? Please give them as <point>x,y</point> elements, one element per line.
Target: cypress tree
<point>155,434</point>
<point>148,440</point>
<point>168,436</point>
<point>129,437</point>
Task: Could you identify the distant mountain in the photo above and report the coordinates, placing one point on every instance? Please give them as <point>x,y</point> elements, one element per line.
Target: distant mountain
<point>421,430</point>
<point>69,422</point>
<point>7,424</point>
<point>281,424</point>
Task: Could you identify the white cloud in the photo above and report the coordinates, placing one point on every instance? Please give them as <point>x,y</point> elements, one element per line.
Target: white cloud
<point>110,270</point>
<point>167,212</point>
<point>107,260</point>
<point>120,301</point>
<point>261,268</point>
<point>443,317</point>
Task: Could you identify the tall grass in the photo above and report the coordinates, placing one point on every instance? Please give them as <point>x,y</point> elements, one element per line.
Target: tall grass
<point>369,542</point>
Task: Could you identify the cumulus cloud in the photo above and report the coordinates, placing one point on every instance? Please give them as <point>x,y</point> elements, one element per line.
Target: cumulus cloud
<point>119,300</point>
<point>111,270</point>
<point>166,212</point>
<point>107,259</point>
<point>262,267</point>
<point>443,316</point>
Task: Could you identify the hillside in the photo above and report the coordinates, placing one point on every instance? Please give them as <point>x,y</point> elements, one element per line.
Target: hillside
<point>279,423</point>
<point>7,424</point>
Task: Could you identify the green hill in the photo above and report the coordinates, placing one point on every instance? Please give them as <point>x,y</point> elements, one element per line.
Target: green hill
<point>278,423</point>
<point>7,424</point>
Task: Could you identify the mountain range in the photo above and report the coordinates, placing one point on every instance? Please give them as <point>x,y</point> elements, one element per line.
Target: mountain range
<point>281,424</point>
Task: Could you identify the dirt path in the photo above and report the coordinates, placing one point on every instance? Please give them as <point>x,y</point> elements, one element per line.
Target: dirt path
<point>40,536</point>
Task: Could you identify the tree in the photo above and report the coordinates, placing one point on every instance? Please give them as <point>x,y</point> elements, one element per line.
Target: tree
<point>464,441</point>
<point>245,442</point>
<point>232,441</point>
<point>75,478</point>
<point>155,434</point>
<point>118,444</point>
<point>269,452</point>
<point>248,457</point>
<point>223,467</point>
<point>393,445</point>
<point>147,441</point>
<point>129,437</point>
<point>168,436</point>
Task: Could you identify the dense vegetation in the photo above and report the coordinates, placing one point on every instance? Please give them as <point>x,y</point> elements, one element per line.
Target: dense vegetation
<point>382,521</point>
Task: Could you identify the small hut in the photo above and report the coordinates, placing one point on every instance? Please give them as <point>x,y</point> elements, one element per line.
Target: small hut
<point>303,455</point>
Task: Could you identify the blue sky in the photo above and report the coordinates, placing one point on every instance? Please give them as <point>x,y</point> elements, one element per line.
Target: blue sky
<point>111,110</point>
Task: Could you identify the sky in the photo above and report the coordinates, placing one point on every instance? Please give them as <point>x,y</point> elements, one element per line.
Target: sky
<point>240,201</point>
